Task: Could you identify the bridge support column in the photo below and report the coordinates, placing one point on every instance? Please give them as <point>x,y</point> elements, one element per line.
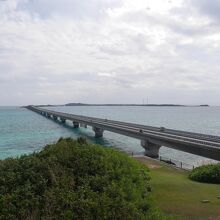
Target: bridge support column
<point>151,149</point>
<point>63,120</point>
<point>98,132</point>
<point>54,117</point>
<point>75,124</point>
<point>83,125</point>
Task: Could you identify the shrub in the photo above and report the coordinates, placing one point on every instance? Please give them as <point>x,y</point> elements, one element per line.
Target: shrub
<point>207,173</point>
<point>75,180</point>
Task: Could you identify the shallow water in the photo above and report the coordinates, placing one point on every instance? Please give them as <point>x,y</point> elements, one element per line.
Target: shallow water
<point>23,131</point>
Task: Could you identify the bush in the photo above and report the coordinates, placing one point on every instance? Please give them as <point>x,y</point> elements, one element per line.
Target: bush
<point>75,180</point>
<point>206,173</point>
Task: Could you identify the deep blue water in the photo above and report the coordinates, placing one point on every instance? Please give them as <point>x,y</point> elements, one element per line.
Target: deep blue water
<point>23,131</point>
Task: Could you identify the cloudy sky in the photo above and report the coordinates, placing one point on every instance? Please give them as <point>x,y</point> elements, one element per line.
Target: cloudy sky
<point>109,51</point>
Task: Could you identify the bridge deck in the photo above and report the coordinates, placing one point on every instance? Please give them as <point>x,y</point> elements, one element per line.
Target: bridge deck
<point>195,143</point>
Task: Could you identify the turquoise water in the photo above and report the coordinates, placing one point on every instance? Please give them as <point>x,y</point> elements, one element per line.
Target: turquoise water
<point>23,131</point>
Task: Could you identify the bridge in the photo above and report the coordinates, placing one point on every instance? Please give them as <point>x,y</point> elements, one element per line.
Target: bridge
<point>151,138</point>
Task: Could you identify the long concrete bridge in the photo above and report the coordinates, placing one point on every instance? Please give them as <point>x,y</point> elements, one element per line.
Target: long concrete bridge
<point>151,138</point>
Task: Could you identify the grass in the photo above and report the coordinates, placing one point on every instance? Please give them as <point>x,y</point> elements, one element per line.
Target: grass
<point>177,195</point>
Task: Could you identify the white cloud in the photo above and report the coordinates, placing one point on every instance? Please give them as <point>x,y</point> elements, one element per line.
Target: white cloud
<point>108,51</point>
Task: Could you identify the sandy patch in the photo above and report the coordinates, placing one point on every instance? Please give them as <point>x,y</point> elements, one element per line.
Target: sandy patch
<point>151,163</point>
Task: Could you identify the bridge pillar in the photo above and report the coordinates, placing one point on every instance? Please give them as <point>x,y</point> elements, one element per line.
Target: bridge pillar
<point>48,115</point>
<point>151,149</point>
<point>75,124</point>
<point>54,117</point>
<point>83,125</point>
<point>98,132</point>
<point>63,120</point>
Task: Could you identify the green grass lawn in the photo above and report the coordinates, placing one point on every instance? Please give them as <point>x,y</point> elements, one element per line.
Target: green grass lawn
<point>177,195</point>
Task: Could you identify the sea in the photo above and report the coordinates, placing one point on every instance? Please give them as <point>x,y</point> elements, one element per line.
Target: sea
<point>23,131</point>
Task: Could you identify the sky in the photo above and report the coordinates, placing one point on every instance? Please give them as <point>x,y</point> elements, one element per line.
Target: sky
<point>109,51</point>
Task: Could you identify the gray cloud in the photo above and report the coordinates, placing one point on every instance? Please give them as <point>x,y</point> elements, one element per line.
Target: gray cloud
<point>207,7</point>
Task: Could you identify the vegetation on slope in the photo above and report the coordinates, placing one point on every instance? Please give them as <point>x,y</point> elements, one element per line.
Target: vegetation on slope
<point>207,173</point>
<point>75,180</point>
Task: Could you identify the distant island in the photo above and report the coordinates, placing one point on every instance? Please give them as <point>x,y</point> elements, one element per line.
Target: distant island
<point>146,105</point>
<point>159,105</point>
